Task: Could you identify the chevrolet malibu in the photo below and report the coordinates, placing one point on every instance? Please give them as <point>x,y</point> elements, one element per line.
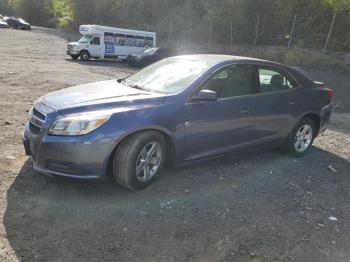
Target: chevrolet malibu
<point>178,110</point>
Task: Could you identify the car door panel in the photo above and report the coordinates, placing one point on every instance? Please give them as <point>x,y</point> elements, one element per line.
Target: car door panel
<point>275,109</point>
<point>225,124</point>
<point>212,127</point>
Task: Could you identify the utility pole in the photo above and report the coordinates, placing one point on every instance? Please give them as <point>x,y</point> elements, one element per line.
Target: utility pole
<point>231,39</point>
<point>330,33</point>
<point>170,31</point>
<point>257,30</point>
<point>210,29</point>
<point>292,31</point>
<point>190,32</point>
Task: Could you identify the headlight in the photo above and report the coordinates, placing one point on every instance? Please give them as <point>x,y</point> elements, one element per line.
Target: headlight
<point>77,125</point>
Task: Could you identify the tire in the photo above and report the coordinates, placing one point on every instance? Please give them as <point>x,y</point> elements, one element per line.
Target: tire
<point>298,142</point>
<point>74,57</point>
<point>85,56</point>
<point>135,164</point>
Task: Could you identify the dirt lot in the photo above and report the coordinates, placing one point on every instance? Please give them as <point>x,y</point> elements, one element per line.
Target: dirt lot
<point>260,206</point>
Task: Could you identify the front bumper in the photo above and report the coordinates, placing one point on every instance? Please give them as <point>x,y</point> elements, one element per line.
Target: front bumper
<point>72,52</point>
<point>84,157</point>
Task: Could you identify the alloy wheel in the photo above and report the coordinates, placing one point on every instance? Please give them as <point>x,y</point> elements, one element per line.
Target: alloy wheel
<point>303,138</point>
<point>149,161</point>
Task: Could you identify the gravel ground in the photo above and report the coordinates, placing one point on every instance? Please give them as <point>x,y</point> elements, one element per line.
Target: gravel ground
<point>260,206</point>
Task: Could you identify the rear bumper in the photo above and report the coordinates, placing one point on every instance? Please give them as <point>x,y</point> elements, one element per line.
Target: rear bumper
<point>325,118</point>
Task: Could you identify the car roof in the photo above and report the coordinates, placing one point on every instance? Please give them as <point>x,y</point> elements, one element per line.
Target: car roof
<point>214,59</point>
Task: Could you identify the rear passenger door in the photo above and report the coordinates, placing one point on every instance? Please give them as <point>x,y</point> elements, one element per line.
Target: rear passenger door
<point>276,103</point>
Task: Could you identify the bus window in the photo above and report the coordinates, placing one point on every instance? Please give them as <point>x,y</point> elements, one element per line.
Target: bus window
<point>120,39</point>
<point>140,41</point>
<point>109,39</point>
<point>130,40</point>
<point>149,41</point>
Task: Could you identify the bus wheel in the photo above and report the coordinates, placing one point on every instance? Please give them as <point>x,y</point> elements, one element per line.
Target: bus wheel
<point>84,56</point>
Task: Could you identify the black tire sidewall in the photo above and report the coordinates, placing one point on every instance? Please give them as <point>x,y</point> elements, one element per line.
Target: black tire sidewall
<point>140,141</point>
<point>82,55</point>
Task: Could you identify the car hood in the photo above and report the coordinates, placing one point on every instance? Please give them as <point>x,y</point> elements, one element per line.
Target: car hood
<point>73,44</point>
<point>98,96</point>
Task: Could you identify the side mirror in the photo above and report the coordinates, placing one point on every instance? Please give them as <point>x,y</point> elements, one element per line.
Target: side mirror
<point>205,96</point>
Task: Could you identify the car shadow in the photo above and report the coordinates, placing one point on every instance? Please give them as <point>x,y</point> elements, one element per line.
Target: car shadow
<point>101,63</point>
<point>184,214</point>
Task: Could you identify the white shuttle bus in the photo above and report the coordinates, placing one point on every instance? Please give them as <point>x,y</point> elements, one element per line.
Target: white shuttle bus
<point>101,42</point>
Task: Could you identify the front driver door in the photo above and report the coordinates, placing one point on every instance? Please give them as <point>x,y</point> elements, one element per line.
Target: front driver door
<point>222,125</point>
<point>95,48</point>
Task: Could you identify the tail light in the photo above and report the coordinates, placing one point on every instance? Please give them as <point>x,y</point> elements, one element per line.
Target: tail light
<point>329,92</point>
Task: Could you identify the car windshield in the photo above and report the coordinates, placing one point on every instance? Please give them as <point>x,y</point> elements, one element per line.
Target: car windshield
<point>85,39</point>
<point>168,76</point>
<point>150,51</point>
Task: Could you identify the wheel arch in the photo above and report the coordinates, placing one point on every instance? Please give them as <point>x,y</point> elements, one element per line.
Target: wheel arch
<point>84,50</point>
<point>315,118</point>
<point>170,146</point>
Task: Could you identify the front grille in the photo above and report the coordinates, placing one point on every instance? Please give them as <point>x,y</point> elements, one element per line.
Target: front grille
<point>34,128</point>
<point>39,115</point>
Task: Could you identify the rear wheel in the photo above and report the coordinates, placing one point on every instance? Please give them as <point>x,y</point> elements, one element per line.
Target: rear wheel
<point>139,160</point>
<point>84,56</point>
<point>301,138</point>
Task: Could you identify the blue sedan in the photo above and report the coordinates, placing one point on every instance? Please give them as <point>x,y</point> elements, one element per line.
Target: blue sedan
<point>178,110</point>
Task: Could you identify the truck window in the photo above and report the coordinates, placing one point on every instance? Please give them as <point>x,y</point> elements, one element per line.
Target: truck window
<point>95,41</point>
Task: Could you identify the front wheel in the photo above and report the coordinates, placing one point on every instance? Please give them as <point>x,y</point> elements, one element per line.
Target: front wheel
<point>74,57</point>
<point>301,138</point>
<point>139,160</point>
<point>84,56</point>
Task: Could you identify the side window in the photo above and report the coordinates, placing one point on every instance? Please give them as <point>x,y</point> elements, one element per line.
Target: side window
<point>273,80</point>
<point>231,81</point>
<point>130,40</point>
<point>148,41</point>
<point>109,39</point>
<point>140,41</point>
<point>95,41</point>
<point>120,39</point>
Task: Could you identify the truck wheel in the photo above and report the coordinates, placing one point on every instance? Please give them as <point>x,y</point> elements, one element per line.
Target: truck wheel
<point>84,56</point>
<point>139,160</point>
<point>74,57</point>
<point>301,138</point>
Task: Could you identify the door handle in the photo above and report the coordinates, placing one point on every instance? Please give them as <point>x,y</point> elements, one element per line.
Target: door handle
<point>244,111</point>
<point>292,103</point>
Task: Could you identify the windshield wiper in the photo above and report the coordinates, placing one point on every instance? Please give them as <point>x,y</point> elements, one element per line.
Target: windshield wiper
<point>123,81</point>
